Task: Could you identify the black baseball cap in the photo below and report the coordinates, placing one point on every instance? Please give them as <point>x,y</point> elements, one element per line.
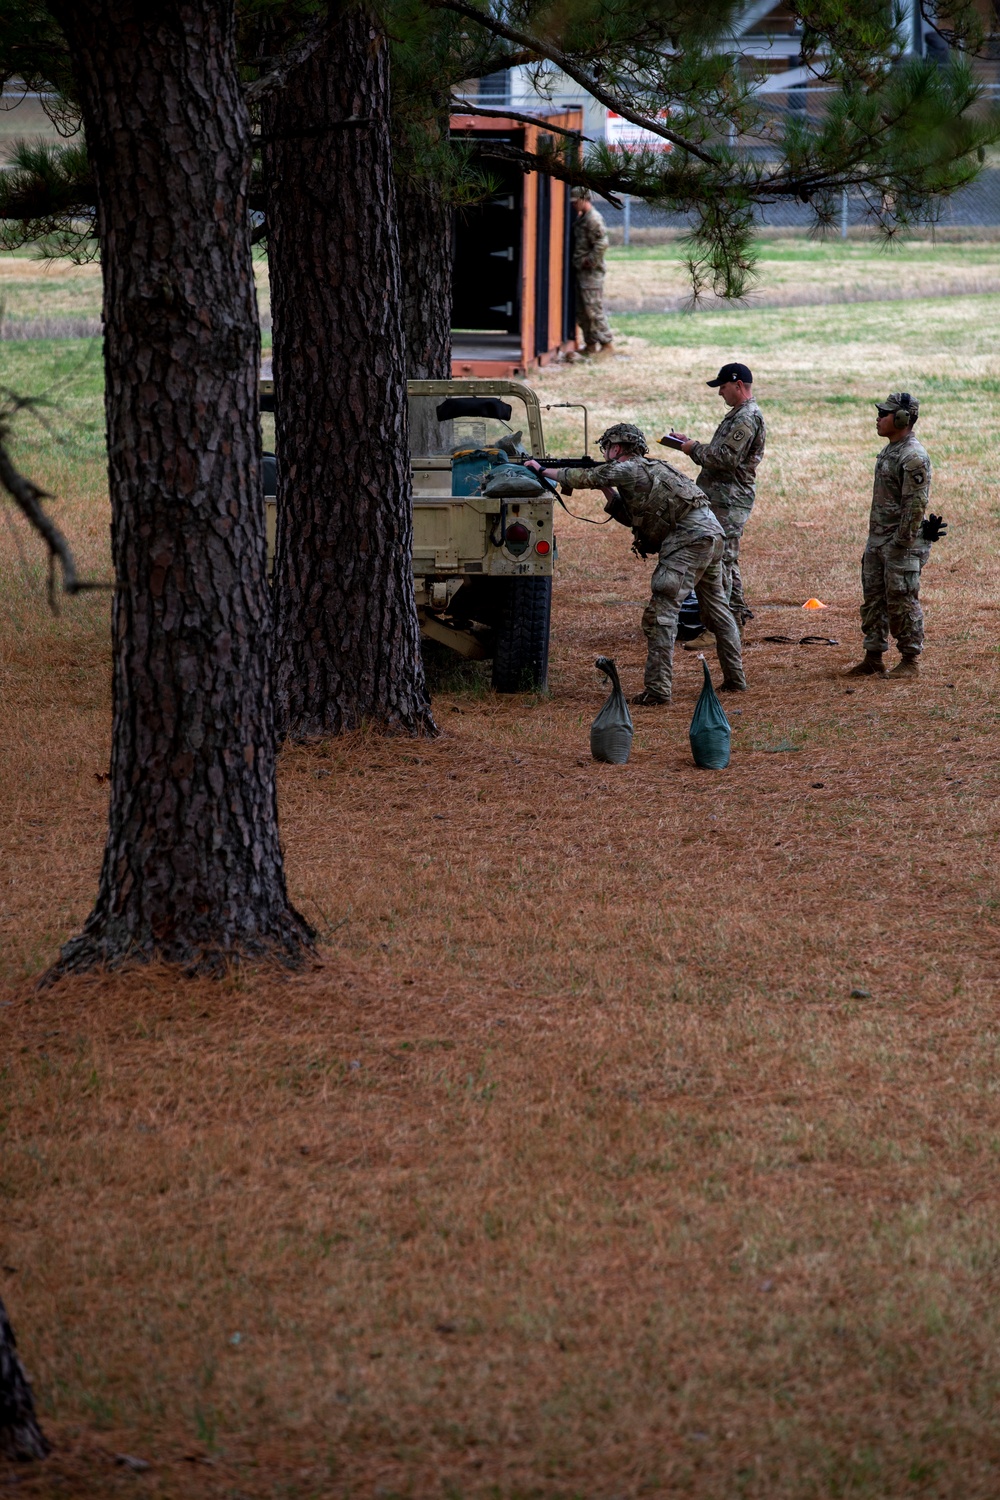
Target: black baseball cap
<point>732,372</point>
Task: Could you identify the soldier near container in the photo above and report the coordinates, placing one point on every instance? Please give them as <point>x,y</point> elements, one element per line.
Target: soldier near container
<point>670,516</point>
<point>898,543</point>
<point>589,247</point>
<point>729,469</point>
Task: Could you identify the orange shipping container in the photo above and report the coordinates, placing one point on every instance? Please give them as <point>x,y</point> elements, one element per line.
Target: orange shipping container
<point>514,302</point>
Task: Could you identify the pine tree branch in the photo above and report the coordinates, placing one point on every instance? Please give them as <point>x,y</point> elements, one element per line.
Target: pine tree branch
<point>27,496</point>
<point>503,64</point>
<point>551,164</point>
<point>568,66</point>
<point>286,63</point>
<point>45,182</point>
<point>462,108</point>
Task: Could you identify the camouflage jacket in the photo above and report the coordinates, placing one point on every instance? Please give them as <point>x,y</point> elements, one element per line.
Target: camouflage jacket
<point>901,493</point>
<point>590,241</point>
<point>664,508</point>
<point>729,462</point>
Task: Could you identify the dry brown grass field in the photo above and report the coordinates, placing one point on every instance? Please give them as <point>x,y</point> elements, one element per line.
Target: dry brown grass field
<point>638,1131</point>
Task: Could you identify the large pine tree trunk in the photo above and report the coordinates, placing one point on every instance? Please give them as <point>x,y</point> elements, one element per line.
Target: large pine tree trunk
<point>192,869</point>
<point>347,639</point>
<point>425,242</point>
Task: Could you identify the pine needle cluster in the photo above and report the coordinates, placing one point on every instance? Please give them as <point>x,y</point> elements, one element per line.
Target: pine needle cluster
<point>898,131</point>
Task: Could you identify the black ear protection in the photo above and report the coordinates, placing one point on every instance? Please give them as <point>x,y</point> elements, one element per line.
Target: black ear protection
<point>901,416</point>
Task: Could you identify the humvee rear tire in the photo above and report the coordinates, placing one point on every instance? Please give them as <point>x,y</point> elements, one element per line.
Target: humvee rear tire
<point>521,649</point>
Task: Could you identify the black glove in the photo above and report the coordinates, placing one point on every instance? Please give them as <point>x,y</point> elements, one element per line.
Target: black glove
<point>933,529</point>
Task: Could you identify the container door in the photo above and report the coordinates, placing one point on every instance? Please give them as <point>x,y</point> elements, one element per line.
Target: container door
<point>543,244</point>
<point>487,294</point>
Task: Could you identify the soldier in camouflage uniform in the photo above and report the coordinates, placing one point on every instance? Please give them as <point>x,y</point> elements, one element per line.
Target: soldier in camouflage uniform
<point>898,542</point>
<point>668,515</point>
<point>590,242</point>
<point>728,471</point>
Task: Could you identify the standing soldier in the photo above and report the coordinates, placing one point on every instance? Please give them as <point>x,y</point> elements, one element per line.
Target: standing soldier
<point>668,515</point>
<point>728,471</point>
<point>590,242</point>
<point>898,542</point>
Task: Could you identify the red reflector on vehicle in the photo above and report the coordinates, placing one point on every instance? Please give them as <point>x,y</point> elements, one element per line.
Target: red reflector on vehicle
<point>518,532</point>
<point>542,548</point>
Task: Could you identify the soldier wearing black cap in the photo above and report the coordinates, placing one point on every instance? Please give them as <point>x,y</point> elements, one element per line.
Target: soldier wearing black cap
<point>728,470</point>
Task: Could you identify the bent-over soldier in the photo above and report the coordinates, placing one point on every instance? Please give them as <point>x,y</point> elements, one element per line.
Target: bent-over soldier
<point>898,543</point>
<point>728,471</point>
<point>668,515</point>
<point>589,246</point>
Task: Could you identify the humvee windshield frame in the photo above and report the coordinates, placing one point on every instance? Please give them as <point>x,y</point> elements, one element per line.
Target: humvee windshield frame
<point>430,438</point>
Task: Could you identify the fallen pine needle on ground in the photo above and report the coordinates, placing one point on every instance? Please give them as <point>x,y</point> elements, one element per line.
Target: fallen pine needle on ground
<point>637,1131</point>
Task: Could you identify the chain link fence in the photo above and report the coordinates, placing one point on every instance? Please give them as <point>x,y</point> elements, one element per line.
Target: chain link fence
<point>973,212</point>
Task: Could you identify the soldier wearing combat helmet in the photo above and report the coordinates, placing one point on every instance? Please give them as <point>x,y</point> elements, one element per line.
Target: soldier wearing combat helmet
<point>898,544</point>
<point>668,515</point>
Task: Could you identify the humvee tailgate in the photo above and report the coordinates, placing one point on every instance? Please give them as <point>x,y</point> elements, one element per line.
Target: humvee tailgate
<point>451,534</point>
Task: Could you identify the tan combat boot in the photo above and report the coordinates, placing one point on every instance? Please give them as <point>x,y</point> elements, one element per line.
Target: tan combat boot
<point>907,666</point>
<point>872,666</point>
<point>606,351</point>
<point>591,350</point>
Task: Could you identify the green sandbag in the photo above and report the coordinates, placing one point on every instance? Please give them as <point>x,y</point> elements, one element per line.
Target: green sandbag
<point>511,482</point>
<point>611,731</point>
<point>710,731</point>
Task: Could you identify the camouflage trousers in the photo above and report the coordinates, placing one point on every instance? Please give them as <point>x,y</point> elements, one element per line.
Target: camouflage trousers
<point>733,522</point>
<point>890,589</point>
<point>590,314</point>
<point>698,566</point>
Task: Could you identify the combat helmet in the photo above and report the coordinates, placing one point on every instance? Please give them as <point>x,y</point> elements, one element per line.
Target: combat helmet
<point>627,435</point>
<point>582,194</point>
<point>900,404</point>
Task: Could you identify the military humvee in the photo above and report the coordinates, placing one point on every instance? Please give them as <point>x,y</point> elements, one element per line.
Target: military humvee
<point>482,567</point>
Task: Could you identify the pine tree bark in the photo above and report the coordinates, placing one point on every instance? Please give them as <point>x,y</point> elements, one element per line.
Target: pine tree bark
<point>192,868</point>
<point>347,636</point>
<point>426,248</point>
<point>21,1438</point>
